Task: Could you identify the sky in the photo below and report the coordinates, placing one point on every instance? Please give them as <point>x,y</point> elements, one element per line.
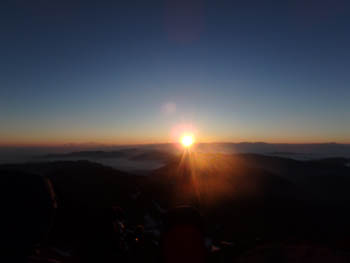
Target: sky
<point>124,72</point>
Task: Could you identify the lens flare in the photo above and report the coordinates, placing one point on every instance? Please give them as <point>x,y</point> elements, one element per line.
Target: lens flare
<point>187,140</point>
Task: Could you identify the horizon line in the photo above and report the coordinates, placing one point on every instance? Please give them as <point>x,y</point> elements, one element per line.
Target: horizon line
<point>97,144</point>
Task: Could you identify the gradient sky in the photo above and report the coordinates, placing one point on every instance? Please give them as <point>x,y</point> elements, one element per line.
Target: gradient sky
<point>141,71</point>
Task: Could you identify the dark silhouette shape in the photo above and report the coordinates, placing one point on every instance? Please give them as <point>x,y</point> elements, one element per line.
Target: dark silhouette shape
<point>27,214</point>
<point>183,236</point>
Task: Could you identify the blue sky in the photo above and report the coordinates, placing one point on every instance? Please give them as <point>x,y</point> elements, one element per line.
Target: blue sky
<point>81,71</point>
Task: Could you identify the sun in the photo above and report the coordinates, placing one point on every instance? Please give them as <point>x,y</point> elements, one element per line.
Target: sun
<point>187,140</point>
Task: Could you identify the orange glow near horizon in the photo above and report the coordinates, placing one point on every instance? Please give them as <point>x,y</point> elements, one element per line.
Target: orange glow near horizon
<point>118,143</point>
<point>46,141</point>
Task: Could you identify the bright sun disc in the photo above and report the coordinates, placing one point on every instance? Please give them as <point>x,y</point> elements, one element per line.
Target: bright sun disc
<point>187,140</point>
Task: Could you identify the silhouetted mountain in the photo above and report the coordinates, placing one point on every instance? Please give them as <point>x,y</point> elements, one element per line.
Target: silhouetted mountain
<point>91,154</point>
<point>122,153</point>
<point>241,197</point>
<point>92,150</point>
<point>136,154</point>
<point>219,176</point>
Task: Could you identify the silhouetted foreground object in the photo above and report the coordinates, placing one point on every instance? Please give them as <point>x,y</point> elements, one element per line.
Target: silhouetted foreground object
<point>27,214</point>
<point>183,237</point>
